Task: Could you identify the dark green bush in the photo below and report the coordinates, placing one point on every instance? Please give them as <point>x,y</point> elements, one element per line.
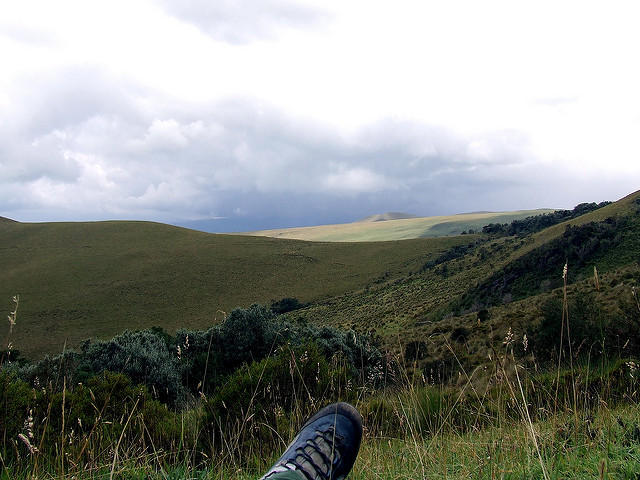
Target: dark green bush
<point>76,420</point>
<point>201,359</point>
<point>250,334</point>
<point>16,400</point>
<point>415,350</point>
<point>144,357</point>
<point>107,401</point>
<point>266,401</point>
<point>460,334</point>
<point>286,305</point>
<point>591,333</point>
<point>364,358</point>
<point>208,357</point>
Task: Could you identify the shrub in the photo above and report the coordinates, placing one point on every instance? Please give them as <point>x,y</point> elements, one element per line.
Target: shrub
<point>249,334</point>
<point>208,357</point>
<point>201,359</point>
<point>364,358</point>
<point>591,332</point>
<point>415,350</point>
<point>460,334</point>
<point>266,401</point>
<point>143,357</point>
<point>71,420</point>
<point>16,399</point>
<point>286,305</point>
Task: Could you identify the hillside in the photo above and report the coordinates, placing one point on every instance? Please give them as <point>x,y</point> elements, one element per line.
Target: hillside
<point>466,331</point>
<point>85,280</point>
<point>389,226</point>
<point>448,294</point>
<point>93,280</point>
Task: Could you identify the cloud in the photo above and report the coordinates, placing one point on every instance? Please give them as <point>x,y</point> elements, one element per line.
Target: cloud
<point>44,156</point>
<point>67,96</point>
<point>240,22</point>
<point>499,147</point>
<point>166,135</point>
<point>27,33</point>
<point>113,157</point>
<point>351,181</point>
<point>85,144</point>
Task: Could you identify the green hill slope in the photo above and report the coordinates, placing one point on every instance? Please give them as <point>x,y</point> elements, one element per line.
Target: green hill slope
<point>380,228</point>
<point>88,280</point>
<point>82,280</point>
<point>445,295</point>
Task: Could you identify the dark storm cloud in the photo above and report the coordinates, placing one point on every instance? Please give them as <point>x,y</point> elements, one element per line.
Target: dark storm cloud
<point>243,21</point>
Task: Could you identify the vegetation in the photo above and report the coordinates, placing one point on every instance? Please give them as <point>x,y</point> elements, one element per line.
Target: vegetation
<point>390,227</point>
<point>580,246</point>
<point>94,280</point>
<point>536,223</point>
<point>472,356</point>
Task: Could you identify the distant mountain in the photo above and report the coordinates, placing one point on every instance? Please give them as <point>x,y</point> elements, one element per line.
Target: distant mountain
<point>381,217</point>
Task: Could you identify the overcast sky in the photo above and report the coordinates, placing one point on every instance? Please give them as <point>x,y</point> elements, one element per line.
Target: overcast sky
<point>273,113</point>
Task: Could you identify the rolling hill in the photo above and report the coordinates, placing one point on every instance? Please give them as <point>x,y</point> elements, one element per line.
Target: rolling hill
<point>87,280</point>
<point>397,226</point>
<point>484,274</point>
<point>93,280</point>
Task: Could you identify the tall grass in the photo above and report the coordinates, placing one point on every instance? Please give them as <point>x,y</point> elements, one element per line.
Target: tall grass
<point>5,355</point>
<point>578,419</point>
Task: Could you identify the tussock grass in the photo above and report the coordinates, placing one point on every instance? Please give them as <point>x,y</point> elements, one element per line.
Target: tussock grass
<point>605,450</point>
<point>516,427</point>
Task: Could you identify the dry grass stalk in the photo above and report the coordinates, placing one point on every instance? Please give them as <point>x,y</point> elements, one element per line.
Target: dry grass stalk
<point>6,354</point>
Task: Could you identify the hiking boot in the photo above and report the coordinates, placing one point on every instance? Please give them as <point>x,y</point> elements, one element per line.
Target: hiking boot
<point>325,448</point>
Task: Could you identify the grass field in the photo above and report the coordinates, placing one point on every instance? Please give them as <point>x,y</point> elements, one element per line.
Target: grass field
<point>506,429</point>
<point>87,280</point>
<point>93,280</point>
<point>401,229</point>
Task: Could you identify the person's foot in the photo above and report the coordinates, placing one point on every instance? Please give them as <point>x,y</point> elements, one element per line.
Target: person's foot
<point>326,447</point>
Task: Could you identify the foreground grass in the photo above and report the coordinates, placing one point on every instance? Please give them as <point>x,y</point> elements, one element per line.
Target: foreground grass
<point>604,445</point>
<point>607,447</point>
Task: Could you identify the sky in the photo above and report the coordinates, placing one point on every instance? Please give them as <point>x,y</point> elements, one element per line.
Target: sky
<point>242,115</point>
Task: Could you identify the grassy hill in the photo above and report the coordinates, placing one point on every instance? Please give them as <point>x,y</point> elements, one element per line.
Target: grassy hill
<point>428,305</point>
<point>468,383</point>
<point>390,227</point>
<point>84,280</point>
<point>93,280</point>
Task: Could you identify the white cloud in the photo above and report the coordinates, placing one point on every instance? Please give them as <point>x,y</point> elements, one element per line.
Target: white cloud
<point>244,21</point>
<point>313,109</point>
<point>163,135</point>
<point>350,181</point>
